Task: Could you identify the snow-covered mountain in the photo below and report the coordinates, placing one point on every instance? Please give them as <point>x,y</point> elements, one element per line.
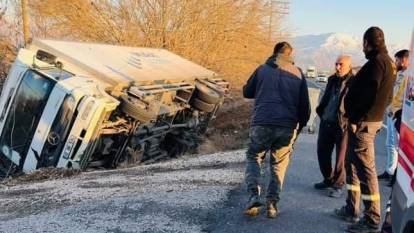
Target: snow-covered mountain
<point>322,50</point>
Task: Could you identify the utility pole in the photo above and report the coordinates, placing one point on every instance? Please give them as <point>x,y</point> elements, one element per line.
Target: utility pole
<point>25,19</point>
<point>278,9</point>
<point>271,20</point>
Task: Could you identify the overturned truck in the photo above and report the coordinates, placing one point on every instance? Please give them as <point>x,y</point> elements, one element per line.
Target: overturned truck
<point>80,105</point>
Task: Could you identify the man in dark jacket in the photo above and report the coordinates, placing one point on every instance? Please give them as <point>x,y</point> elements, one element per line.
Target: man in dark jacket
<point>365,104</point>
<point>281,108</point>
<point>331,133</point>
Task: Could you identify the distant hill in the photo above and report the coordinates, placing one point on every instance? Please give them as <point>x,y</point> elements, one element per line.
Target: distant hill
<point>322,50</point>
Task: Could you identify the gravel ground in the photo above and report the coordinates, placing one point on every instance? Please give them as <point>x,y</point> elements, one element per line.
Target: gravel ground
<point>302,209</point>
<point>174,196</point>
<point>191,194</point>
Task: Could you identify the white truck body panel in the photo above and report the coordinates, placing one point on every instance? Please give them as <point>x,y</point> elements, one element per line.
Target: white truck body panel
<point>77,88</point>
<point>91,109</point>
<point>116,64</point>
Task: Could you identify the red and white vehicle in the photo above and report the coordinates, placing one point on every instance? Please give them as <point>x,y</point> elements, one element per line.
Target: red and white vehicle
<point>403,191</point>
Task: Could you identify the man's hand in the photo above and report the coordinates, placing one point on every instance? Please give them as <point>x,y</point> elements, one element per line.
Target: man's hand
<point>353,128</point>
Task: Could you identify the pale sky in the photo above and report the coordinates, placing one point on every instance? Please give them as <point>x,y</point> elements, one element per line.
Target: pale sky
<point>395,17</point>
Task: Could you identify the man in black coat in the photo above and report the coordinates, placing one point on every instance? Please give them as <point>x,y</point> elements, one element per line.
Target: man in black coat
<point>331,131</point>
<point>365,104</point>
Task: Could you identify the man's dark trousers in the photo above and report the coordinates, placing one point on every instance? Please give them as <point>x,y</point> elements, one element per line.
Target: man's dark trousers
<point>331,135</point>
<point>362,182</point>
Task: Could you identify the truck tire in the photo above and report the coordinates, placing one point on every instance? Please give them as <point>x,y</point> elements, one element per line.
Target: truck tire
<point>130,107</point>
<point>178,142</point>
<point>203,106</point>
<point>207,94</point>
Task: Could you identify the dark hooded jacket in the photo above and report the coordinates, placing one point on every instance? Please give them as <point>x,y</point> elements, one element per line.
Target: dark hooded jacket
<point>339,84</point>
<point>371,89</point>
<point>280,93</point>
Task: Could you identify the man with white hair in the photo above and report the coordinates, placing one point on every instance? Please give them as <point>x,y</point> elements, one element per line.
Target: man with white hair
<point>332,127</point>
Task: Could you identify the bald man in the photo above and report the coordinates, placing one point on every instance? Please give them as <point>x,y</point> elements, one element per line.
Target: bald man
<point>332,127</point>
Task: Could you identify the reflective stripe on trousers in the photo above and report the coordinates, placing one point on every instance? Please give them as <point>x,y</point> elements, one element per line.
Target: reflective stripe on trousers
<point>353,188</point>
<point>372,197</point>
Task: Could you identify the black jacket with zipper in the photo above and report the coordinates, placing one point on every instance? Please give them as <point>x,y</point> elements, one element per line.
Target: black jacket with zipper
<point>371,89</point>
<point>334,82</point>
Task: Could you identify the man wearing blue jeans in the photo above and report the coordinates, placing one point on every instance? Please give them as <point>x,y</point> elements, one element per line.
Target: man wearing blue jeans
<point>401,63</point>
<point>281,109</point>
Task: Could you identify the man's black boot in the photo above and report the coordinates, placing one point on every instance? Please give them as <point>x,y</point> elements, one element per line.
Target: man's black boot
<point>335,192</point>
<point>363,226</point>
<point>343,214</point>
<point>322,185</point>
<point>384,176</point>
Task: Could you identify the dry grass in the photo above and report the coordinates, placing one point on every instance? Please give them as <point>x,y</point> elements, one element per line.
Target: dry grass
<point>40,175</point>
<point>230,37</point>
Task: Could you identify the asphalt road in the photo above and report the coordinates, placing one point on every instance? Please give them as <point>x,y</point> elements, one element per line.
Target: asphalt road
<point>302,208</point>
<point>204,193</point>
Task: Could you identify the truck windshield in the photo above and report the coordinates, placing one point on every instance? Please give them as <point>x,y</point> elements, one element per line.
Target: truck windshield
<point>24,115</point>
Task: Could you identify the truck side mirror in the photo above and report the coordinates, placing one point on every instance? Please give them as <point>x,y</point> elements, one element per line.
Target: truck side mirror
<point>46,57</point>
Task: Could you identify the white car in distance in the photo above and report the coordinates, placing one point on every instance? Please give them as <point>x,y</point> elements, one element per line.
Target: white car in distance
<point>322,78</point>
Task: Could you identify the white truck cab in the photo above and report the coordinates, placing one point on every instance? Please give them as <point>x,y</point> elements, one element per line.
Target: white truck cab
<point>76,105</point>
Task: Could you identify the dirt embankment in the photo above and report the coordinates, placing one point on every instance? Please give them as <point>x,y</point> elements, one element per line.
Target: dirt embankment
<point>39,175</point>
<point>230,130</point>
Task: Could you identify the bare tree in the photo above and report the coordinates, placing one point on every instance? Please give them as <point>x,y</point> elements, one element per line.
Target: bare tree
<point>8,39</point>
<point>25,20</point>
<point>228,36</point>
